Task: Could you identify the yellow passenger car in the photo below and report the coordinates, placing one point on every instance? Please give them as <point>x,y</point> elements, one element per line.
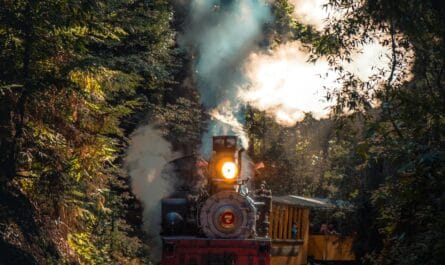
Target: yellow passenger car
<point>292,242</point>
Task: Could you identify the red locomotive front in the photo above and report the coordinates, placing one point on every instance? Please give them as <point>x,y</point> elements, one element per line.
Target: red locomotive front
<point>213,218</point>
<point>204,251</point>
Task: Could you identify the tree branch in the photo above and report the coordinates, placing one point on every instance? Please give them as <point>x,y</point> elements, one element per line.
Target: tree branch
<point>390,78</point>
<point>21,103</point>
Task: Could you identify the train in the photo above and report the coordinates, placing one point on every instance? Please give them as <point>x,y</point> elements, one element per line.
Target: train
<point>218,220</point>
<point>215,217</point>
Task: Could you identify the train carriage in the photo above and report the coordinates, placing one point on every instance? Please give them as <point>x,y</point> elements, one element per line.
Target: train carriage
<point>306,245</point>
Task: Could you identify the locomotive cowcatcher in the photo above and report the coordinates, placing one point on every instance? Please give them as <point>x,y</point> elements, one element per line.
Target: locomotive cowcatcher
<point>214,219</point>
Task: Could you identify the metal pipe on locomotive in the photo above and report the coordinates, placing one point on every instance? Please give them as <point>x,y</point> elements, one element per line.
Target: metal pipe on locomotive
<point>221,221</point>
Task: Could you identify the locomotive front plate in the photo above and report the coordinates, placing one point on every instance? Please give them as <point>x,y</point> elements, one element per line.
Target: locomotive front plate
<point>228,214</point>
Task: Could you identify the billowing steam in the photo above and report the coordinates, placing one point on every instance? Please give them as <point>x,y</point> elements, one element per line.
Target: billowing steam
<point>222,34</point>
<point>286,86</point>
<point>224,114</point>
<point>233,71</point>
<point>312,12</point>
<point>315,12</point>
<point>147,156</point>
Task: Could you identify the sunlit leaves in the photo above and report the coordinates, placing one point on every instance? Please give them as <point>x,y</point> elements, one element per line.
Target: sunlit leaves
<point>404,139</point>
<point>182,121</point>
<point>71,73</point>
<point>89,253</point>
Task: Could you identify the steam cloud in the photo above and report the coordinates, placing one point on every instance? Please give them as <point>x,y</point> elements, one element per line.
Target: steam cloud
<point>286,86</point>
<point>313,12</point>
<point>233,71</point>
<point>146,159</point>
<point>222,34</point>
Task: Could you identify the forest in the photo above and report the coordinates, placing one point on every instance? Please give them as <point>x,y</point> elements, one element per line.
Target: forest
<point>81,80</point>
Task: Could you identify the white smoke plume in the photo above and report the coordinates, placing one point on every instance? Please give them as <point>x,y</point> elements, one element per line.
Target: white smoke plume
<point>232,70</point>
<point>224,115</point>
<point>221,35</point>
<point>313,12</point>
<point>146,158</point>
<point>286,86</point>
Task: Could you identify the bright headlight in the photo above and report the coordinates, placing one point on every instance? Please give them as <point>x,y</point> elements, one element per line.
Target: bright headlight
<point>229,170</point>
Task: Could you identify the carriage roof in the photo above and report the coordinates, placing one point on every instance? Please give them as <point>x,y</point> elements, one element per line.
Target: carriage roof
<point>305,202</point>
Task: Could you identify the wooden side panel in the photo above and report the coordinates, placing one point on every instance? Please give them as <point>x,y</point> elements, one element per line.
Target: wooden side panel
<point>297,221</point>
<point>282,217</point>
<point>280,220</point>
<point>285,222</point>
<point>331,248</point>
<point>300,218</point>
<point>276,220</point>
<point>305,235</point>
<point>281,260</point>
<point>286,252</point>
<point>290,221</point>
<point>317,247</point>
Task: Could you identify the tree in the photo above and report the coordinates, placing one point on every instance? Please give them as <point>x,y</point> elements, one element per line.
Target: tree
<point>403,144</point>
<point>72,74</point>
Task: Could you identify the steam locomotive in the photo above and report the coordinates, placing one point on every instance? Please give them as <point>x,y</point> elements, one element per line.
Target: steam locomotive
<point>214,218</point>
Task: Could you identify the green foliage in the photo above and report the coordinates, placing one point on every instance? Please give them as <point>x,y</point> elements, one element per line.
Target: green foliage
<point>402,151</point>
<point>286,27</point>
<point>72,75</point>
<point>182,121</point>
<point>295,157</point>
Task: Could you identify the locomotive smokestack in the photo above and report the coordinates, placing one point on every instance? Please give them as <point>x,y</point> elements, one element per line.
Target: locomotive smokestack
<point>240,158</point>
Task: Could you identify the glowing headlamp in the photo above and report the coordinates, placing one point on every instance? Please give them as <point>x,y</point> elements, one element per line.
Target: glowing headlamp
<point>229,170</point>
